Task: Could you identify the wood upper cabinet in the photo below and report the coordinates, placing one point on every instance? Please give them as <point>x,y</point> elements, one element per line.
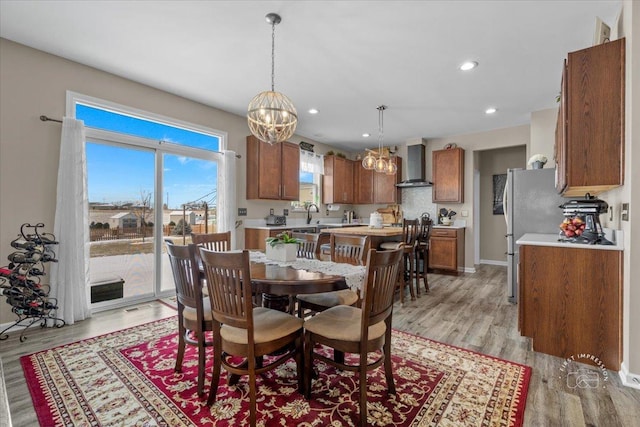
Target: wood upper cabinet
<point>570,302</point>
<point>448,176</point>
<point>338,180</point>
<point>273,171</point>
<point>364,185</point>
<point>446,249</point>
<point>590,138</point>
<point>374,187</point>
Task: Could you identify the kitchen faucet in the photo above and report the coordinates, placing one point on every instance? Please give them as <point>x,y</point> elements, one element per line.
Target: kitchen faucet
<point>309,212</point>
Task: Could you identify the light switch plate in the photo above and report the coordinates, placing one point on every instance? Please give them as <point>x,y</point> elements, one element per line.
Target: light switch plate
<point>242,211</point>
<point>624,212</point>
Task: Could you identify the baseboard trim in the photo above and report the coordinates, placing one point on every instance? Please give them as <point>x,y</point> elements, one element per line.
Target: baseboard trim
<point>467,270</point>
<point>629,379</point>
<point>493,262</point>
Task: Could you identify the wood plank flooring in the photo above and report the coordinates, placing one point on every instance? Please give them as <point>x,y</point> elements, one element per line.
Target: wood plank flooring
<point>469,311</point>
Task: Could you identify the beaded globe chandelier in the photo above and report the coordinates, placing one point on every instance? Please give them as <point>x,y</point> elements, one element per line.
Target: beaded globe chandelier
<point>271,115</point>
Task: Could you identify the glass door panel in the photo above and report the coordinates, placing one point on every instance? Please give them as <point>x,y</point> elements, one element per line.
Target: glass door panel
<point>190,189</point>
<point>121,188</point>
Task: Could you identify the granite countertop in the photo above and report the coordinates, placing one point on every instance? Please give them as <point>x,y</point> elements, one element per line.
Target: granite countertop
<point>366,231</point>
<point>534,239</point>
<point>280,227</point>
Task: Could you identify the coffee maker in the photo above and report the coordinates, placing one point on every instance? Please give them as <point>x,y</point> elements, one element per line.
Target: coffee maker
<point>582,221</point>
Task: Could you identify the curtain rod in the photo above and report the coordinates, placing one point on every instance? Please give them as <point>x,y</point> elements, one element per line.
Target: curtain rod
<point>48,119</point>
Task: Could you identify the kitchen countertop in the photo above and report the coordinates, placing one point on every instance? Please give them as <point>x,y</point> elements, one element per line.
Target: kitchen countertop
<point>449,226</point>
<point>535,239</point>
<point>366,231</point>
<point>280,227</point>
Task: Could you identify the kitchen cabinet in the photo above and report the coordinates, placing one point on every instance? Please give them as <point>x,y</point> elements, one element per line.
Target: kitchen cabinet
<point>255,238</point>
<point>446,249</point>
<point>374,187</point>
<point>273,171</point>
<point>338,180</point>
<point>590,131</point>
<point>570,301</point>
<point>448,176</point>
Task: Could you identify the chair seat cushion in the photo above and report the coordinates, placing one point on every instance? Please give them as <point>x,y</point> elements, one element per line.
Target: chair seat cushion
<point>268,325</point>
<point>391,246</point>
<point>189,313</point>
<point>330,299</point>
<point>342,323</point>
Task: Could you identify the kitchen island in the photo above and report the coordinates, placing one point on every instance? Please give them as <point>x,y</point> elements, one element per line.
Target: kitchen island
<point>376,235</point>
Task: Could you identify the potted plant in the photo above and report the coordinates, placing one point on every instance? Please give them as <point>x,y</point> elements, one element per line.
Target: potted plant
<point>282,248</point>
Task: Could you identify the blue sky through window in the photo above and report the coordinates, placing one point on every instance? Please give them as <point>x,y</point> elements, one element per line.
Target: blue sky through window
<point>121,175</point>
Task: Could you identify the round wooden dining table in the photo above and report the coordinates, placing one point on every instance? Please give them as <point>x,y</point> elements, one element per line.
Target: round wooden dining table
<point>278,283</point>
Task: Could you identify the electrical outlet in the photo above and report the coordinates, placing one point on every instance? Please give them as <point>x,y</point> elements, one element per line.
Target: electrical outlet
<point>625,212</point>
<point>285,212</point>
<point>464,213</point>
<point>242,211</point>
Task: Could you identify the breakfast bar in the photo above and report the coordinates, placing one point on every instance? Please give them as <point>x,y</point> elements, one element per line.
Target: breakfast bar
<point>376,235</point>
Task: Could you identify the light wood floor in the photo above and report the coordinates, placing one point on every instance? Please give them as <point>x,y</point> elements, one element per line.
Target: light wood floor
<point>469,311</point>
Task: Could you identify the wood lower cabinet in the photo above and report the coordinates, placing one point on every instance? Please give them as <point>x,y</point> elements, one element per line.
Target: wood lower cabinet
<point>255,238</point>
<point>446,249</point>
<point>273,171</point>
<point>570,302</point>
<point>590,135</point>
<point>448,176</point>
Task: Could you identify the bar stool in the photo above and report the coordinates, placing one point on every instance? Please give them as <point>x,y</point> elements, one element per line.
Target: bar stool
<point>410,228</point>
<point>422,252</point>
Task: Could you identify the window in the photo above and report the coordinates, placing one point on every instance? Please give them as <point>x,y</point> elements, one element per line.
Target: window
<point>142,167</point>
<point>311,170</point>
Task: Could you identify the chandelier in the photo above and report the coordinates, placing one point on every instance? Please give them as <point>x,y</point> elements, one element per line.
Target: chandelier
<point>271,115</point>
<point>380,164</point>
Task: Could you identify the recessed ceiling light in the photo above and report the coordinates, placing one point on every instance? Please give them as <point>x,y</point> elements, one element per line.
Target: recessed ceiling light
<point>366,135</point>
<point>490,110</point>
<point>469,65</point>
<point>313,111</point>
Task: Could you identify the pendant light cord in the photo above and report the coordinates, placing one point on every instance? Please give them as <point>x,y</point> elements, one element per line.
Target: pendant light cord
<point>273,55</point>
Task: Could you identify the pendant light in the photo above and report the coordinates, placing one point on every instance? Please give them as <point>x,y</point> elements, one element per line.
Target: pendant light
<point>381,165</point>
<point>271,115</point>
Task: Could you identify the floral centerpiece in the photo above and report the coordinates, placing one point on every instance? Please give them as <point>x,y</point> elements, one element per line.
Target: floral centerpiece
<point>537,161</point>
<point>282,247</point>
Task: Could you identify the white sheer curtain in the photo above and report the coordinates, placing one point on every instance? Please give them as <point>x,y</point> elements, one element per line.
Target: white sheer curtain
<point>226,209</point>
<point>311,162</point>
<point>70,275</point>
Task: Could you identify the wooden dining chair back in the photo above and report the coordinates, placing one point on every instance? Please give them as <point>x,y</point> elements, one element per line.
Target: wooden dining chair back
<point>422,252</point>
<point>194,311</point>
<point>218,242</point>
<point>349,249</point>
<point>359,330</point>
<point>307,244</point>
<point>410,231</point>
<point>242,330</point>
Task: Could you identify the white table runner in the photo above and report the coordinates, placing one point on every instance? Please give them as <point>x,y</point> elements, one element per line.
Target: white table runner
<point>353,274</point>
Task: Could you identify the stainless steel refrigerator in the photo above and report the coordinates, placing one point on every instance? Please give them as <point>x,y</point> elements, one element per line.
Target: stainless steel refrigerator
<point>531,206</point>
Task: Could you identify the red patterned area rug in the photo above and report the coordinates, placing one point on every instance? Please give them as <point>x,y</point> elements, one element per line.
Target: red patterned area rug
<point>126,378</point>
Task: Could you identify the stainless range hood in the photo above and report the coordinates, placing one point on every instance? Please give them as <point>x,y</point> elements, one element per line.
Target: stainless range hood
<point>415,168</point>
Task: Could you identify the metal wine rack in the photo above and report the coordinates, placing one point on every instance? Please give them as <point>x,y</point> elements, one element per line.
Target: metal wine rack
<point>20,281</point>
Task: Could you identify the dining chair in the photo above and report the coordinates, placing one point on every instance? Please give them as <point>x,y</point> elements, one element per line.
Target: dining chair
<point>422,253</point>
<point>307,244</point>
<point>358,330</point>
<point>219,242</point>
<point>194,310</point>
<point>323,248</point>
<point>410,229</point>
<point>242,330</point>
<point>345,249</point>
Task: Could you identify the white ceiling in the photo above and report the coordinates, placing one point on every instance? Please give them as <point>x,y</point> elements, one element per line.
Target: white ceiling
<point>343,57</point>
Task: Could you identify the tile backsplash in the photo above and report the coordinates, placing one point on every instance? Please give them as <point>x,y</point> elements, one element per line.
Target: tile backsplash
<point>415,201</point>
